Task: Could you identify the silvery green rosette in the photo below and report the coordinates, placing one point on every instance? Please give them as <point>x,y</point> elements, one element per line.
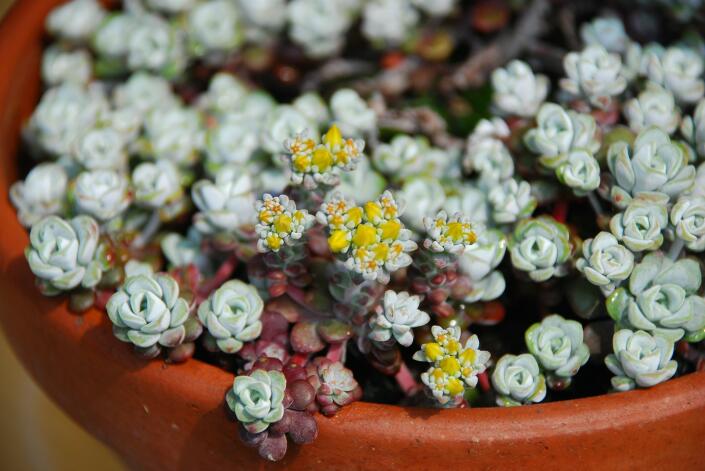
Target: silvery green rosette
<point>557,344</point>
<point>640,359</point>
<point>540,246</point>
<point>148,312</point>
<point>257,399</point>
<point>62,254</point>
<point>232,315</point>
<point>662,298</point>
<point>518,380</point>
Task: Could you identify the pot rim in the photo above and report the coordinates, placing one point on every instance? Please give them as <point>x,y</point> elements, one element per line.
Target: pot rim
<point>60,327</point>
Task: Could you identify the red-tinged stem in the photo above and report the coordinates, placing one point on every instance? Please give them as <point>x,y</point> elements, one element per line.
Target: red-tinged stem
<point>406,381</point>
<point>560,211</point>
<point>484,381</point>
<point>224,271</point>
<point>336,351</point>
<point>101,298</point>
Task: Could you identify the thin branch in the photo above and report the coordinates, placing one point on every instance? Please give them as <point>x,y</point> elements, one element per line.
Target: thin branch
<point>475,70</point>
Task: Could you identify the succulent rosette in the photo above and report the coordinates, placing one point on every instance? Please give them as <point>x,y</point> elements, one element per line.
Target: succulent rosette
<point>174,134</point>
<point>41,194</point>
<point>158,186</point>
<point>540,246</point>
<point>479,263</point>
<point>640,226</point>
<point>640,359</point>
<point>662,298</point>
<point>399,315</point>
<point>652,163</point>
<point>680,70</point>
<point>76,20</point>
<point>595,74</point>
<point>517,90</point>
<point>351,113</point>
<point>336,385</point>
<point>232,315</point>
<point>214,27</point>
<point>103,194</point>
<point>156,45</point>
<point>511,201</point>
<point>101,148</point>
<point>655,106</point>
<point>580,172</point>
<point>693,128</point>
<point>62,254</point>
<point>607,31</point>
<point>226,204</point>
<point>257,399</point>
<point>688,217</point>
<point>518,380</point>
<point>557,131</point>
<point>148,312</point>
<point>605,262</point>
<point>557,344</point>
<point>388,21</point>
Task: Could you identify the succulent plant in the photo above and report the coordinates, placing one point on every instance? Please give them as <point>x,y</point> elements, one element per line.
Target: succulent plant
<point>605,263</point>
<point>606,31</point>
<point>41,194</point>
<point>540,246</point>
<point>232,315</point>
<point>487,155</point>
<point>157,184</point>
<point>226,204</point>
<point>388,21</point>
<point>174,133</point>
<point>517,91</point>
<point>280,223</point>
<point>351,113</point>
<point>688,217</point>
<point>102,194</point>
<point>579,171</point>
<point>148,312</point>
<point>336,386</point>
<point>557,131</point>
<point>101,148</point>
<point>680,70</point>
<point>662,298</point>
<point>76,20</point>
<point>257,399</point>
<point>400,313</point>
<point>640,359</point>
<point>640,226</point>
<point>595,74</point>
<point>318,26</point>
<point>511,201</point>
<point>62,254</point>
<point>518,380</point>
<point>156,45</point>
<point>479,263</point>
<point>557,344</point>
<point>63,65</point>
<point>655,106</point>
<point>693,128</point>
<point>214,27</point>
<point>653,163</point>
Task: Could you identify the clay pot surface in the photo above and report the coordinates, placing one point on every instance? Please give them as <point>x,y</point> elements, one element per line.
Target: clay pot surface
<point>159,416</point>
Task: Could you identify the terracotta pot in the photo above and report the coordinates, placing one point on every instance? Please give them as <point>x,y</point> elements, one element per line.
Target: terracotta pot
<point>160,416</point>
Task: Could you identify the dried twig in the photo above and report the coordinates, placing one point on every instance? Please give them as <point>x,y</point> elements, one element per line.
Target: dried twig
<point>474,71</point>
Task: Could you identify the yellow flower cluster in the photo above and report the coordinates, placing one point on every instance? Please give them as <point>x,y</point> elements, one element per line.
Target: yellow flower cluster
<point>313,163</point>
<point>372,235</point>
<point>452,235</point>
<point>280,223</point>
<point>455,366</point>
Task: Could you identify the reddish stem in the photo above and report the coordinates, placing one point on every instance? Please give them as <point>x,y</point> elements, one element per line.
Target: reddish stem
<point>560,211</point>
<point>406,381</point>
<point>101,298</point>
<point>484,381</point>
<point>224,271</point>
<point>336,351</point>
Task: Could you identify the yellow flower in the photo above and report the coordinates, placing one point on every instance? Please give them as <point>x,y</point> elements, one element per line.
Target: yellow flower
<point>282,223</point>
<point>333,137</point>
<point>467,356</point>
<point>338,241</point>
<point>302,162</point>
<point>432,350</point>
<point>322,159</point>
<point>381,252</point>
<point>354,215</point>
<point>373,211</point>
<point>450,366</point>
<point>455,387</point>
<point>365,235</point>
<point>390,229</point>
<point>274,241</point>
